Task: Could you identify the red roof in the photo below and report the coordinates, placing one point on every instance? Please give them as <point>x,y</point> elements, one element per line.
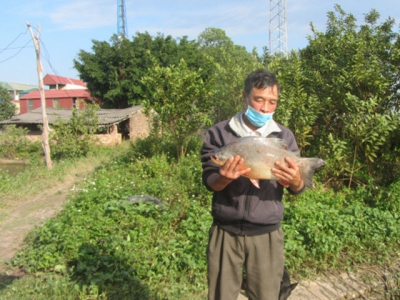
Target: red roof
<point>55,79</point>
<point>58,94</point>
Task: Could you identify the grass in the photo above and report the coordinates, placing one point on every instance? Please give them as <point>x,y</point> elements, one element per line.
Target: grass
<point>37,177</point>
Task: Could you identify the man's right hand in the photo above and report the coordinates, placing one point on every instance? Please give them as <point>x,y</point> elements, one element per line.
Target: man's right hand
<point>231,170</point>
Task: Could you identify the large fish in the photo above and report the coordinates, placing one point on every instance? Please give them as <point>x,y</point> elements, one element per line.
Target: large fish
<point>260,154</point>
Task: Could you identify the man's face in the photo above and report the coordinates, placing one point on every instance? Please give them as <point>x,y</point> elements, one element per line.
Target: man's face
<point>263,100</point>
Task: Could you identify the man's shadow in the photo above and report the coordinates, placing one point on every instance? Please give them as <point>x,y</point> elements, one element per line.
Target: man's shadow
<point>111,273</point>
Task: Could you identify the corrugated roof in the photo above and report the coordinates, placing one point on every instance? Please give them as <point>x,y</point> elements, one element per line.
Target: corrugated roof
<point>106,116</point>
<point>50,79</point>
<point>11,86</point>
<point>58,94</point>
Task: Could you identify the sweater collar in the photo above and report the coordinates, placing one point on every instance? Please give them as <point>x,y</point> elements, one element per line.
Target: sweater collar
<point>239,127</point>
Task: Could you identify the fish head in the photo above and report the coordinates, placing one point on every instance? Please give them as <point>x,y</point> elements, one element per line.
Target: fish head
<point>221,156</point>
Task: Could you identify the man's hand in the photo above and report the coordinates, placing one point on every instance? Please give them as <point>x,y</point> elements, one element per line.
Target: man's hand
<point>288,174</point>
<point>231,170</point>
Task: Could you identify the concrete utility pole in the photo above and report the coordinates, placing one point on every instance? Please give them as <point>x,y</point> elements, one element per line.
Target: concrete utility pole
<point>45,133</point>
<point>278,27</point>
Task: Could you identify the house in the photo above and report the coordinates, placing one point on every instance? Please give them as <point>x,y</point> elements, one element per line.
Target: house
<point>18,90</point>
<point>55,82</point>
<point>55,99</point>
<point>117,124</point>
<point>62,92</point>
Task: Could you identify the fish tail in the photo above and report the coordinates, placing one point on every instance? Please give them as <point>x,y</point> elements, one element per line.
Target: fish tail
<point>308,167</point>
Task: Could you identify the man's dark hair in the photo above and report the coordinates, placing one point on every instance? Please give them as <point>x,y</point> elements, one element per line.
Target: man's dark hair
<point>260,79</point>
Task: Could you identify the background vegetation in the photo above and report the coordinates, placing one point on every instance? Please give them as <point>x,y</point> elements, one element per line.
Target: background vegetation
<point>7,108</point>
<point>340,97</point>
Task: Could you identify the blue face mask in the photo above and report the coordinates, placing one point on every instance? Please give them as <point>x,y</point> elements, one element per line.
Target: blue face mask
<point>256,118</point>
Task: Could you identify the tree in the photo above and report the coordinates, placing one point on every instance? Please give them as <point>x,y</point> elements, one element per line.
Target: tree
<point>353,72</point>
<point>234,63</point>
<point>297,109</point>
<point>181,100</point>
<point>7,108</point>
<point>113,71</point>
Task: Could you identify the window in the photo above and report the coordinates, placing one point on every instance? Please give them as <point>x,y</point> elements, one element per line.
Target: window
<point>56,103</point>
<point>30,104</point>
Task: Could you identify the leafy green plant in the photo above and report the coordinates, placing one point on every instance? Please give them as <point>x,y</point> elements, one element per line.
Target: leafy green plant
<point>7,108</point>
<point>13,144</point>
<point>75,137</point>
<point>181,100</point>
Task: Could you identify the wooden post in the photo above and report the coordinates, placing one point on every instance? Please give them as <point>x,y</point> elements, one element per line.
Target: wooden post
<point>45,133</point>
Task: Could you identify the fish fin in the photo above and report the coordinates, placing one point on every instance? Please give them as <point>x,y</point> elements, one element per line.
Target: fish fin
<point>307,169</point>
<point>256,182</point>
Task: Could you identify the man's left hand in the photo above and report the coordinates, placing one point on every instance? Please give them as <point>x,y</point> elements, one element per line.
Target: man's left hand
<point>288,174</point>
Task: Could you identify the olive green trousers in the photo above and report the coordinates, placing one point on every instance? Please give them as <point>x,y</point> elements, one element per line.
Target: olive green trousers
<point>262,256</point>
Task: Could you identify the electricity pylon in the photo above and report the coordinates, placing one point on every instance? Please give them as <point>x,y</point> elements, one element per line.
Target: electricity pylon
<point>278,27</point>
<point>121,17</point>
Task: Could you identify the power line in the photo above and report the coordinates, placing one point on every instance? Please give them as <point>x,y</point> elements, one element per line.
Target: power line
<point>20,49</point>
<point>8,46</point>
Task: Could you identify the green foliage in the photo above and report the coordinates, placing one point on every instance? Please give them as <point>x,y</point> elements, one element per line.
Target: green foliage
<point>75,137</point>
<point>14,145</point>
<point>47,286</point>
<point>181,101</point>
<point>7,108</point>
<point>233,64</point>
<point>106,247</point>
<point>339,96</point>
<point>297,109</point>
<point>113,71</point>
<point>326,230</point>
<point>121,249</point>
<point>161,144</point>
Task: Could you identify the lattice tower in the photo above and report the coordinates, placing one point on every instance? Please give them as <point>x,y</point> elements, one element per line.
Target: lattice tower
<point>278,27</point>
<point>121,17</point>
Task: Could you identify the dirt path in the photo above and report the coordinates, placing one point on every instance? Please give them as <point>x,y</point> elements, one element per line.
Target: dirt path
<point>19,217</point>
<point>22,216</point>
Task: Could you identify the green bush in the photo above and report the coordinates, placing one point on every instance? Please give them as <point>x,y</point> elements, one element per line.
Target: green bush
<point>13,144</point>
<point>74,137</point>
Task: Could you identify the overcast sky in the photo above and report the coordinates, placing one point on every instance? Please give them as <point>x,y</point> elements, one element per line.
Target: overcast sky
<point>69,26</point>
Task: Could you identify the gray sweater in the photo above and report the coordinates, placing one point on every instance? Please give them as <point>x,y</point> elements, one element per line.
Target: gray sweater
<point>241,208</point>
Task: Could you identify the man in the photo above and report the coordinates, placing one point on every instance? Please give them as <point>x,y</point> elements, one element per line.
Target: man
<point>246,231</point>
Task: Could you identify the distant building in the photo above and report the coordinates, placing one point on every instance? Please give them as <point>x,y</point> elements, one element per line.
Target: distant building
<point>55,82</point>
<point>62,92</point>
<point>116,124</point>
<point>18,90</point>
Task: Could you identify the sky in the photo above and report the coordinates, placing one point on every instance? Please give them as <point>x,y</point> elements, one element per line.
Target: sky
<point>66,27</point>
